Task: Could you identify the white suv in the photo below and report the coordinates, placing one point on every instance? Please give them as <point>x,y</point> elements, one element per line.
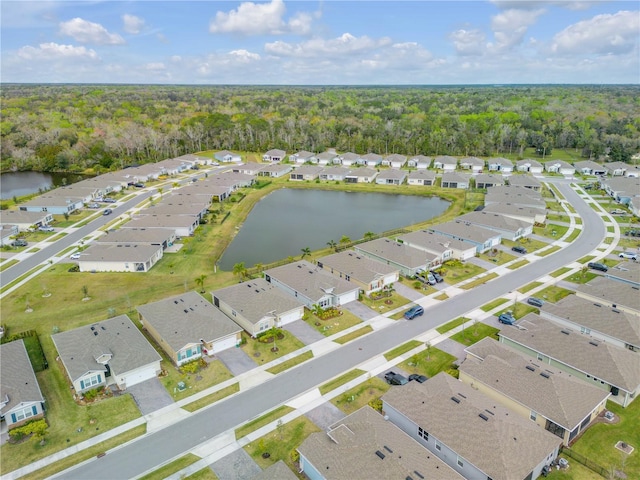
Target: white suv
<point>629,255</point>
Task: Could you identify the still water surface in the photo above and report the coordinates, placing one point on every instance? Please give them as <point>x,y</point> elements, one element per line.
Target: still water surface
<point>25,183</point>
<point>288,220</point>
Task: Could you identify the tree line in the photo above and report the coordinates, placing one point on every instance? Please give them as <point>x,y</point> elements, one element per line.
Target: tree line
<point>97,128</point>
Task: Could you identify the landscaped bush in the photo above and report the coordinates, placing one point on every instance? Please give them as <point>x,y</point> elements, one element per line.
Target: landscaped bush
<point>193,366</point>
<point>37,428</point>
<point>90,395</point>
<point>376,404</point>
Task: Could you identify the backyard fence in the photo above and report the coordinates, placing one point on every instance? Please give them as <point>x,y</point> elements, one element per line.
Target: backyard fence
<point>590,464</point>
<point>33,346</point>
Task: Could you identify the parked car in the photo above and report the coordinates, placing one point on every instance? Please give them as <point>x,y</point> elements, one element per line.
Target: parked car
<point>20,242</point>
<point>74,256</point>
<point>519,249</point>
<point>138,185</point>
<point>507,318</point>
<point>437,276</point>
<point>536,302</point>
<point>46,228</point>
<point>617,212</point>
<point>93,205</point>
<point>109,200</point>
<point>107,211</point>
<point>417,378</point>
<point>426,277</point>
<point>414,312</point>
<point>215,164</point>
<point>629,255</point>
<point>632,233</point>
<point>394,378</point>
<point>598,266</point>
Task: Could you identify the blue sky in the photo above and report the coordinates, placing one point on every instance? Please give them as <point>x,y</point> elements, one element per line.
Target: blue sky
<point>325,42</point>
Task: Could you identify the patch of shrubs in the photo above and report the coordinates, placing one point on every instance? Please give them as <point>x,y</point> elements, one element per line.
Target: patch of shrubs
<point>37,428</point>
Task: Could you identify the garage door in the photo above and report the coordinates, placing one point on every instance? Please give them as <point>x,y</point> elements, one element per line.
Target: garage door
<point>221,345</point>
<point>137,376</point>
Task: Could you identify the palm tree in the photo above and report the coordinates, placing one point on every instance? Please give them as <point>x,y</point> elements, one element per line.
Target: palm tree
<point>240,270</point>
<point>345,239</point>
<point>332,244</point>
<point>259,267</point>
<point>305,251</point>
<point>369,235</point>
<point>200,282</point>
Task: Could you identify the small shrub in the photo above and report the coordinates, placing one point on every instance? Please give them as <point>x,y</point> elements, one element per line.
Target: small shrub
<point>37,428</point>
<point>93,393</point>
<point>295,456</point>
<point>193,366</point>
<point>376,404</point>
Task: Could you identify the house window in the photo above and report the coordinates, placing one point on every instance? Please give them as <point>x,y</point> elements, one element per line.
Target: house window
<point>585,330</point>
<point>91,381</point>
<point>540,357</point>
<point>22,414</point>
<point>533,415</point>
<point>460,462</point>
<point>438,445</point>
<point>423,434</point>
<point>347,278</point>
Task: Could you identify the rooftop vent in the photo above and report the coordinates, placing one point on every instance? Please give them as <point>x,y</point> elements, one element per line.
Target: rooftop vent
<point>489,412</point>
<point>595,344</point>
<point>380,454</point>
<point>175,301</point>
<point>186,311</point>
<point>597,305</point>
<point>565,332</point>
<point>95,333</point>
<point>455,399</point>
<point>388,449</point>
<point>484,417</point>
<point>462,395</point>
<point>102,327</point>
<point>615,310</point>
<point>93,328</point>
<point>544,374</point>
<point>529,367</point>
<point>418,474</point>
<point>299,266</point>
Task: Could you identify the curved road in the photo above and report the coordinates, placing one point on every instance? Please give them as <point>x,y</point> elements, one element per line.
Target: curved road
<point>156,448</point>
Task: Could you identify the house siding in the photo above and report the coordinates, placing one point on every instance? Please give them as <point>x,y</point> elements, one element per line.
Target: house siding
<point>17,415</point>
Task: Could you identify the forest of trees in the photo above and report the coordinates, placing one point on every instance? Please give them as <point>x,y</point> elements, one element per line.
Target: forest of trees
<point>95,128</point>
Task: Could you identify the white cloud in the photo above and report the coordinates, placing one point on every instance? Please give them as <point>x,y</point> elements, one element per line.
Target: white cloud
<point>602,34</point>
<point>155,66</point>
<point>510,27</point>
<point>261,19</point>
<point>132,24</point>
<point>54,51</point>
<point>536,4</point>
<point>468,42</point>
<point>88,32</point>
<point>244,55</point>
<point>344,45</point>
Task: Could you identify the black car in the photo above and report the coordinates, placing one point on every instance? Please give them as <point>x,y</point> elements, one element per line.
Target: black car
<point>20,242</point>
<point>598,266</point>
<point>437,276</point>
<point>394,378</point>
<point>536,302</point>
<point>418,378</point>
<point>107,211</point>
<point>519,249</point>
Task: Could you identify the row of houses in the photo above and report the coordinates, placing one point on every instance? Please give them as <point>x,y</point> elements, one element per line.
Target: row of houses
<point>625,191</point>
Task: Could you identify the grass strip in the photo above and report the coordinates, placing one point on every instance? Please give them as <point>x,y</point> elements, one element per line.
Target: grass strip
<point>549,251</point>
<point>529,286</point>
<point>171,468</point>
<point>442,296</point>
<point>205,474</point>
<point>479,281</point>
<point>353,335</point>
<point>451,325</point>
<point>212,398</point>
<point>292,362</point>
<point>399,350</point>
<point>491,305</point>
<point>261,421</point>
<point>341,380</point>
<point>560,271</point>
<point>519,264</point>
<point>8,264</point>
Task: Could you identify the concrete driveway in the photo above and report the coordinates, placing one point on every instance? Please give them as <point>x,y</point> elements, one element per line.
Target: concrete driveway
<point>236,466</point>
<point>325,415</point>
<point>360,310</point>
<point>236,360</point>
<point>453,348</point>
<point>150,396</point>
<point>304,332</point>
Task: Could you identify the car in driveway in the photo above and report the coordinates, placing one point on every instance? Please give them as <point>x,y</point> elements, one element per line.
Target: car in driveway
<point>75,256</point>
<point>536,302</point>
<point>46,228</point>
<point>437,276</point>
<point>393,378</point>
<point>415,377</point>
<point>629,255</point>
<point>519,249</point>
<point>598,266</point>
<point>414,312</point>
<point>109,200</point>
<point>107,211</point>
<point>507,318</point>
<point>20,242</point>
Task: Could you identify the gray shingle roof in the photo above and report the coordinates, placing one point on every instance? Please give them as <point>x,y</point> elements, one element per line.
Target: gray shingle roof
<point>562,398</point>
<point>79,348</point>
<point>17,380</point>
<point>465,231</point>
<point>524,181</point>
<point>398,253</point>
<point>137,235</point>
<point>361,268</point>
<point>505,446</point>
<point>611,291</point>
<point>393,173</point>
<point>187,318</point>
<point>105,252</point>
<point>434,242</point>
<point>493,220</point>
<point>348,451</point>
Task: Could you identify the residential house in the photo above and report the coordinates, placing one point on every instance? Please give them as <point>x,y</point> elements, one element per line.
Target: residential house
<point>422,177</point>
<point>394,160</point>
<point>198,210</point>
<point>349,159</point>
<point>203,192</point>
<point>529,165</point>
<point>256,305</point>
<point>24,220</point>
<point>456,180</point>
<point>525,181</point>
<point>182,225</point>
<point>559,166</point>
<point>514,195</point>
<point>500,164</point>
<point>250,168</point>
<point>177,165</point>
<point>233,180</point>
<point>555,401</point>
<point>226,156</point>
<point>364,445</point>
<point>305,173</point>
<point>106,353</point>
<point>410,261</point>
<point>420,162</point>
<point>482,238</point>
<point>474,164</point>
<point>8,234</point>
<point>445,248</point>
<point>337,174</point>
<point>53,202</point>
<point>303,157</point>
<point>627,272</point>
<point>603,323</point>
<point>371,159</point>
<point>469,431</point>
<point>518,212</point>
<point>312,285</point>
<point>621,189</point>
<point>361,175</point>
<point>617,169</point>
<point>187,326</point>
<point>508,227</point>
<point>610,293</point>
<point>20,398</point>
<point>137,257</point>
<point>275,170</point>
<point>591,168</point>
<point>163,237</point>
<point>274,155</point>
<point>488,180</point>
<point>327,158</point>
<point>391,176</point>
<point>368,274</point>
<point>634,206</point>
<point>446,163</point>
<point>610,368</point>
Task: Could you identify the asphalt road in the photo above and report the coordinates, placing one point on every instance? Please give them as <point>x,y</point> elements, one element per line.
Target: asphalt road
<point>152,450</point>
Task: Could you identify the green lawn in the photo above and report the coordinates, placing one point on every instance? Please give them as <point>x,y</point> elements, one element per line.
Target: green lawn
<point>498,257</point>
<point>213,373</point>
<point>361,395</point>
<point>553,293</point>
<point>212,397</point>
<point>332,325</point>
<point>529,286</point>
<point>261,421</point>
<point>575,471</point>
<point>581,277</point>
<point>171,468</point>
<point>549,251</point>
<point>519,264</point>
<point>341,380</point>
<point>401,349</point>
<point>491,305</point>
<point>560,271</point>
<point>430,362</point>
<point>292,362</point>
<point>549,229</point>
<point>519,310</point>
<point>385,304</point>
<point>457,274</point>
<point>475,333</point>
<point>452,324</point>
<point>479,281</point>
<point>262,352</point>
<point>353,335</point>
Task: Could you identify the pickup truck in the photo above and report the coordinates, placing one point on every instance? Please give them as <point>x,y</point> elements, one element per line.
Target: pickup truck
<point>394,378</point>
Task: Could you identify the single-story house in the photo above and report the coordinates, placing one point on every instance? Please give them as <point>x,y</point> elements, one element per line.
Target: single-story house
<point>391,176</point>
<point>444,247</point>
<point>312,285</point>
<point>621,189</point>
<point>589,318</point>
<point>274,155</point>
<point>446,163</point>
<point>616,169</point>
<point>123,257</point>
<point>198,210</point>
<point>514,195</point>
<point>226,156</point>
<point>187,326</point>
<point>368,274</point>
<point>470,431</point>
<point>275,170</point>
<point>53,203</point>
<point>234,180</point>
<point>183,225</point>
<point>526,181</point>
<point>305,173</point>
<point>8,234</point>
<point>395,160</point>
<point>327,158</point>
<point>524,214</point>
<point>529,165</point>
<point>422,177</point>
<point>409,260</point>
<point>610,368</point>
<point>482,238</point>
<point>364,445</point>
<point>421,162</point>
<point>488,180</point>
<point>256,305</point>
<point>474,164</point>
<point>634,206</point>
<point>500,164</point>
<point>203,192</point>
<point>164,237</point>
<point>456,180</point>
<point>559,403</point>
<point>591,168</point>
<point>337,174</point>
<point>24,220</point>
<point>559,166</point>
<point>250,168</point>
<point>349,159</point>
<point>508,227</point>
<point>20,399</point>
<point>361,175</point>
<point>371,159</point>
<point>610,293</point>
<point>627,272</point>
<point>104,353</point>
<point>303,157</point>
